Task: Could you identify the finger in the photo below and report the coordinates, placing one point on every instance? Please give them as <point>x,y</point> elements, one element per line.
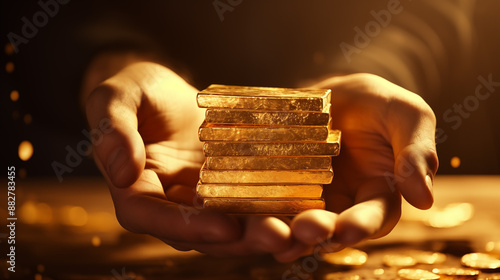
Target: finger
<point>262,234</point>
<point>143,208</point>
<point>411,127</point>
<point>111,110</point>
<point>313,226</point>
<point>375,213</point>
<point>297,250</point>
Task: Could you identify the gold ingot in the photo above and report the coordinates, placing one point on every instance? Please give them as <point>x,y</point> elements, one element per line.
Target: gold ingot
<point>346,257</point>
<point>269,163</point>
<point>266,176</point>
<point>417,274</point>
<point>264,98</point>
<point>258,191</point>
<point>331,147</point>
<point>267,117</point>
<point>262,206</point>
<point>224,132</point>
<point>398,260</point>
<point>456,273</point>
<point>480,261</point>
<point>426,257</point>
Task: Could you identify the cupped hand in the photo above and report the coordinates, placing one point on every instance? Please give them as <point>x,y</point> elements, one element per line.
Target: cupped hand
<point>388,150</point>
<point>151,156</point>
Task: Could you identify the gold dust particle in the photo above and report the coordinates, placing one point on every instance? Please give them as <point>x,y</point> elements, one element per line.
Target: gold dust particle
<point>40,268</point>
<point>38,276</point>
<point>455,162</point>
<point>96,241</point>
<point>14,95</point>
<point>9,49</point>
<point>9,67</point>
<point>25,150</point>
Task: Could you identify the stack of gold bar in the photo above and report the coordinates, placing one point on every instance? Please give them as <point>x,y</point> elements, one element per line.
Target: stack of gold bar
<point>268,150</point>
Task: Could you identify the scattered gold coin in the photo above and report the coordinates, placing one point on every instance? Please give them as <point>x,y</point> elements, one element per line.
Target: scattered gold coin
<point>456,273</point>
<point>480,261</point>
<point>417,274</point>
<point>346,257</point>
<point>495,276</point>
<point>398,260</point>
<point>426,257</point>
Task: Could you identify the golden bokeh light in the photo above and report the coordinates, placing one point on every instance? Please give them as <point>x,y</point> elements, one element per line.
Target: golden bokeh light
<point>96,241</point>
<point>74,216</point>
<point>455,162</point>
<point>36,213</point>
<point>9,67</point>
<point>25,150</point>
<point>28,212</point>
<point>28,118</point>
<point>14,95</point>
<point>9,49</point>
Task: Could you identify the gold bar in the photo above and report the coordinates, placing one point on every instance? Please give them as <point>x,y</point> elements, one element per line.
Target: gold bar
<point>269,163</point>
<point>266,176</point>
<point>221,132</point>
<point>261,206</point>
<point>258,191</point>
<point>267,117</point>
<point>264,98</point>
<point>329,148</point>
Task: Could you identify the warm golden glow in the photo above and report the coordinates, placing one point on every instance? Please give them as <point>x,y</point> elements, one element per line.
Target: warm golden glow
<point>74,216</point>
<point>455,162</point>
<point>9,67</point>
<point>36,213</point>
<point>28,213</point>
<point>14,95</point>
<point>96,241</point>
<point>25,150</point>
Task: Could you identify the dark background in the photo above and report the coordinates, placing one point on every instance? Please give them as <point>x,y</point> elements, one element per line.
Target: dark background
<point>266,43</point>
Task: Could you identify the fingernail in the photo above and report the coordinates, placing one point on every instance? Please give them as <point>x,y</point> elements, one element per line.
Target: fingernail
<point>116,162</point>
<point>428,182</point>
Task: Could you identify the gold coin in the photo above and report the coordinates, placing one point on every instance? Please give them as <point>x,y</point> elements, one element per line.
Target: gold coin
<point>417,274</point>
<point>426,257</point>
<point>456,273</point>
<point>480,261</point>
<point>398,260</point>
<point>346,257</point>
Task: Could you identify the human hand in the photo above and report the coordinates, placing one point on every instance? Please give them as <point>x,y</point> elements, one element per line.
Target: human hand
<point>388,149</point>
<point>151,160</point>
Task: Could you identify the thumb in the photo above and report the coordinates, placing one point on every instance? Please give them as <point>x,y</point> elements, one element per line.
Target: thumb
<point>112,112</point>
<point>412,128</point>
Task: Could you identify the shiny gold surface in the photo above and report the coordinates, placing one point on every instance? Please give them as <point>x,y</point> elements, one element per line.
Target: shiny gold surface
<point>258,191</point>
<point>417,274</point>
<point>267,117</point>
<point>266,176</point>
<point>329,148</point>
<point>269,163</point>
<point>398,260</point>
<point>261,206</point>
<point>221,132</point>
<point>480,261</point>
<point>427,257</point>
<point>346,257</point>
<point>456,273</point>
<point>263,98</point>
